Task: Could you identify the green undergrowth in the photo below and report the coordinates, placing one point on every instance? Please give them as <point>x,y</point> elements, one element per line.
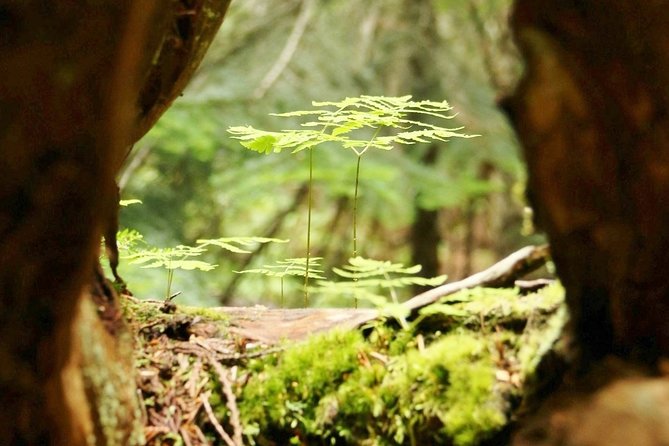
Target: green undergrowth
<point>454,376</point>
<point>455,373</point>
<point>165,318</point>
<point>143,312</point>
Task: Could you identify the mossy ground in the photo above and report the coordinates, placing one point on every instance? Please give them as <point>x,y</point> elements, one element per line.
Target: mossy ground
<point>455,375</point>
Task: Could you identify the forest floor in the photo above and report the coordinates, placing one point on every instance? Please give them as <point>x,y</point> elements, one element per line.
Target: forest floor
<point>451,371</point>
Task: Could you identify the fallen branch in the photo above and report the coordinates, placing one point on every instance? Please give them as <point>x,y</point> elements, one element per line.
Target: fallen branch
<point>271,326</point>
<point>231,400</point>
<point>214,422</point>
<point>501,274</point>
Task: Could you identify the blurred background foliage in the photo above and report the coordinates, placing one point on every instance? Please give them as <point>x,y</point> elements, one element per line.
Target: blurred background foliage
<point>453,207</point>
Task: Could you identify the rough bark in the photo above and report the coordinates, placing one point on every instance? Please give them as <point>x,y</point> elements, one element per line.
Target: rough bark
<point>72,73</point>
<point>591,113</point>
<point>184,42</point>
<point>64,105</point>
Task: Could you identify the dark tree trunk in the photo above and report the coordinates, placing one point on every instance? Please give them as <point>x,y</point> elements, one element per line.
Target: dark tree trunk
<point>64,119</point>
<point>71,78</point>
<point>592,114</point>
<point>425,83</point>
<point>425,234</point>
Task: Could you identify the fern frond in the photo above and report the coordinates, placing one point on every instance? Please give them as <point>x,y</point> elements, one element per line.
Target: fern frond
<point>336,121</point>
<point>233,244</point>
<point>289,267</point>
<point>366,279</point>
<point>129,202</point>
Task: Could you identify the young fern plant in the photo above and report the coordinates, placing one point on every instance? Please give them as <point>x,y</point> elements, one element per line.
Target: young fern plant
<point>289,267</point>
<point>357,124</point>
<point>170,259</point>
<point>376,281</point>
<point>182,256</point>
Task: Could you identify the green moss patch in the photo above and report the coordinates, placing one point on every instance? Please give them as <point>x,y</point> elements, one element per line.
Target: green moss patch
<point>458,386</point>
<point>454,375</point>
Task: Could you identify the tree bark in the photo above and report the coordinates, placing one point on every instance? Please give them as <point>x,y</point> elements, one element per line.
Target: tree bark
<point>72,74</point>
<point>591,113</point>
<point>191,28</point>
<point>64,119</point>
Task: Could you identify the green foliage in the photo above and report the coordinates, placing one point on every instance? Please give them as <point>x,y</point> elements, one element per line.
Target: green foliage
<point>295,267</point>
<point>337,122</point>
<point>179,257</point>
<point>234,244</point>
<point>372,280</point>
<point>127,240</point>
<point>450,383</point>
<point>407,387</point>
<point>346,123</point>
<point>129,202</point>
<point>288,393</point>
<point>182,256</point>
<point>195,180</point>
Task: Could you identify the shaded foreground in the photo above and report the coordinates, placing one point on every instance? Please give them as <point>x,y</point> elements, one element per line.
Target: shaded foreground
<point>454,374</point>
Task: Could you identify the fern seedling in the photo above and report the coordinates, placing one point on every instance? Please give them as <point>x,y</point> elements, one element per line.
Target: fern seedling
<point>391,121</point>
<point>183,256</point>
<point>367,279</point>
<point>129,202</point>
<point>296,267</point>
<point>179,257</point>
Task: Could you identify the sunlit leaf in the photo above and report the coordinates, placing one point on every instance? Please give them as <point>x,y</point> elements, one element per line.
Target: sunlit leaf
<point>129,202</point>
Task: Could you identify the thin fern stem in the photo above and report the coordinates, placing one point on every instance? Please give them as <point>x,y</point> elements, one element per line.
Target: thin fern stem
<point>355,207</point>
<point>355,218</point>
<point>393,292</point>
<point>309,205</point>
<point>170,276</point>
<point>355,192</point>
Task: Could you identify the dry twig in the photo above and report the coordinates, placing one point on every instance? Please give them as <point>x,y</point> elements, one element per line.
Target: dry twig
<point>212,418</point>
<point>231,400</point>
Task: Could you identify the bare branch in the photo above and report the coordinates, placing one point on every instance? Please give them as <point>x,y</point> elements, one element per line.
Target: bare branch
<point>212,418</point>
<point>231,400</point>
<point>288,50</point>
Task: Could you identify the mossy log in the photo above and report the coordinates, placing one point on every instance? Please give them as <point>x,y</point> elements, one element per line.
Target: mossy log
<point>453,373</point>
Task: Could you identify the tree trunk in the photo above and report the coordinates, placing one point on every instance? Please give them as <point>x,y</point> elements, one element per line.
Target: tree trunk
<point>425,236</point>
<point>64,120</point>
<point>71,75</point>
<point>424,83</point>
<point>591,113</point>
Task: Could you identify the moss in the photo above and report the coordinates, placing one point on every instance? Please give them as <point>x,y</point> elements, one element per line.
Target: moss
<point>210,314</point>
<point>109,382</point>
<point>454,376</point>
<point>286,395</point>
<point>333,388</point>
<point>398,387</point>
<point>448,386</point>
<point>143,312</point>
<point>139,311</point>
